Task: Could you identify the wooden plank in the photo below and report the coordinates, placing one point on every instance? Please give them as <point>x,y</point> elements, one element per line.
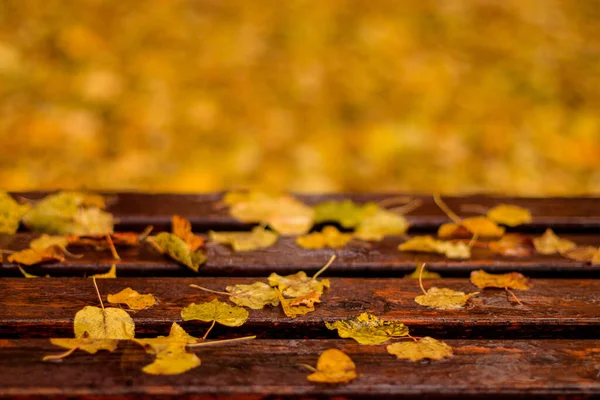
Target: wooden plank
<point>552,308</point>
<point>356,259</point>
<point>136,210</point>
<point>490,369</point>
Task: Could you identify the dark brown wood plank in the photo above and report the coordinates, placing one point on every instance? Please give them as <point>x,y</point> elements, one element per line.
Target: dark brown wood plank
<point>552,308</point>
<point>490,369</point>
<point>361,258</point>
<point>136,210</point>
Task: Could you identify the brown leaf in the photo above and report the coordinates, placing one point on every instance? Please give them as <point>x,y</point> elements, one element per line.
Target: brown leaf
<point>182,228</point>
<point>513,245</point>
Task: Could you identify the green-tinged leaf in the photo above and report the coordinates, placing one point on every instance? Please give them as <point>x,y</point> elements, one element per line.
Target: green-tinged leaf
<point>217,311</point>
<point>255,296</point>
<point>380,224</point>
<point>444,299</point>
<point>425,348</point>
<point>11,213</point>
<point>45,241</point>
<point>259,238</point>
<point>347,213</point>
<point>330,236</point>
<point>70,213</point>
<point>173,246</point>
<point>368,329</point>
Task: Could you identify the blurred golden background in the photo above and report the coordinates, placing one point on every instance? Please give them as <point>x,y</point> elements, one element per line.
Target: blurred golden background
<point>311,96</point>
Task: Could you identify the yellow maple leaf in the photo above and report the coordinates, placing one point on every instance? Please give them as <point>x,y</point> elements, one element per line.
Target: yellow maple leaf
<point>132,298</point>
<point>258,238</point>
<point>425,348</point>
<point>330,236</point>
<point>333,366</point>
<point>549,243</point>
<point>510,215</point>
<point>368,329</point>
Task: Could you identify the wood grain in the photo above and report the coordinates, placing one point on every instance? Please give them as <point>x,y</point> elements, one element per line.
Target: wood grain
<point>355,259</point>
<point>552,308</point>
<point>269,368</point>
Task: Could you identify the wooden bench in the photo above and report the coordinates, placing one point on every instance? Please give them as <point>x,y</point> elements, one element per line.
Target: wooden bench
<point>547,348</point>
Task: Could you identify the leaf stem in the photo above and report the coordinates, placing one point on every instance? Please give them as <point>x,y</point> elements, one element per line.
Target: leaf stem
<point>444,207</point>
<point>390,201</point>
<point>145,233</point>
<point>405,209</point>
<point>513,295</point>
<point>209,329</point>
<point>112,248</point>
<point>319,272</point>
<point>421,278</point>
<point>309,367</point>
<point>221,341</point>
<point>98,292</point>
<point>476,208</point>
<point>209,290</point>
<point>56,357</point>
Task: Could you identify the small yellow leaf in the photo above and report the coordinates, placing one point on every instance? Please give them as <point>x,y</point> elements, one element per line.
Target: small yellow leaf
<point>511,280</point>
<point>108,323</point>
<point>11,213</point>
<point>182,228</point>
<point>132,298</point>
<point>88,345</point>
<point>584,253</point>
<point>178,250</point>
<point>111,274</point>
<point>217,311</point>
<point>425,348</point>
<point>368,329</point>
<point>178,337</point>
<point>328,237</point>
<point>549,243</point>
<point>290,310</point>
<point>31,257</point>
<point>426,274</point>
<point>173,361</point>
<point>298,284</point>
<point>347,213</point>
<point>380,224</point>
<point>482,227</point>
<point>510,215</point>
<point>259,238</point>
<point>427,244</point>
<point>333,366</point>
<point>444,299</point>
<point>255,296</point>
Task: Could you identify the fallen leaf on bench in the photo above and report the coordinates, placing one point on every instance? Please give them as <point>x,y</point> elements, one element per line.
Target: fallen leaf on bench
<point>293,310</point>
<point>368,329</point>
<point>173,361</point>
<point>111,274</point>
<point>283,213</point>
<point>512,280</point>
<point>70,213</point>
<point>173,246</point>
<point>427,244</point>
<point>32,257</point>
<point>119,239</point>
<point>216,311</point>
<point>426,274</point>
<point>347,213</point>
<point>255,296</point>
<point>510,215</point>
<point>588,254</point>
<point>132,299</point>
<point>182,228</point>
<point>330,236</point>
<point>478,226</point>
<point>444,298</point>
<point>381,223</point>
<point>86,344</point>
<point>45,241</point>
<point>549,243</point>
<point>103,323</point>
<point>513,245</point>
<point>11,213</point>
<point>425,348</point>
<point>298,284</point>
<point>333,366</point>
<point>258,238</point>
<point>177,337</point>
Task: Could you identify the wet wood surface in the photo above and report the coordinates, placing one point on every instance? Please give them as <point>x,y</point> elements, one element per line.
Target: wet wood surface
<point>270,368</point>
<point>551,308</point>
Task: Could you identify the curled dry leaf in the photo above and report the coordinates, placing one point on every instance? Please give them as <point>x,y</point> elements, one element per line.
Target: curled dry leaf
<point>70,213</point>
<point>512,280</point>
<point>255,296</point>
<point>444,299</point>
<point>425,348</point>
<point>217,311</point>
<point>178,250</point>
<point>283,213</point>
<point>427,244</point>
<point>103,323</point>
<point>368,329</point>
<point>182,228</point>
<point>510,215</point>
<point>330,236</point>
<point>132,299</point>
<point>549,243</point>
<point>333,366</point>
<point>292,308</point>
<point>11,213</point>
<point>259,238</point>
<point>111,274</point>
<point>513,245</point>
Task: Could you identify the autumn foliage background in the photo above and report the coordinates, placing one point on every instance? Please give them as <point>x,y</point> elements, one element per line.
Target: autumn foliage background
<point>310,96</point>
